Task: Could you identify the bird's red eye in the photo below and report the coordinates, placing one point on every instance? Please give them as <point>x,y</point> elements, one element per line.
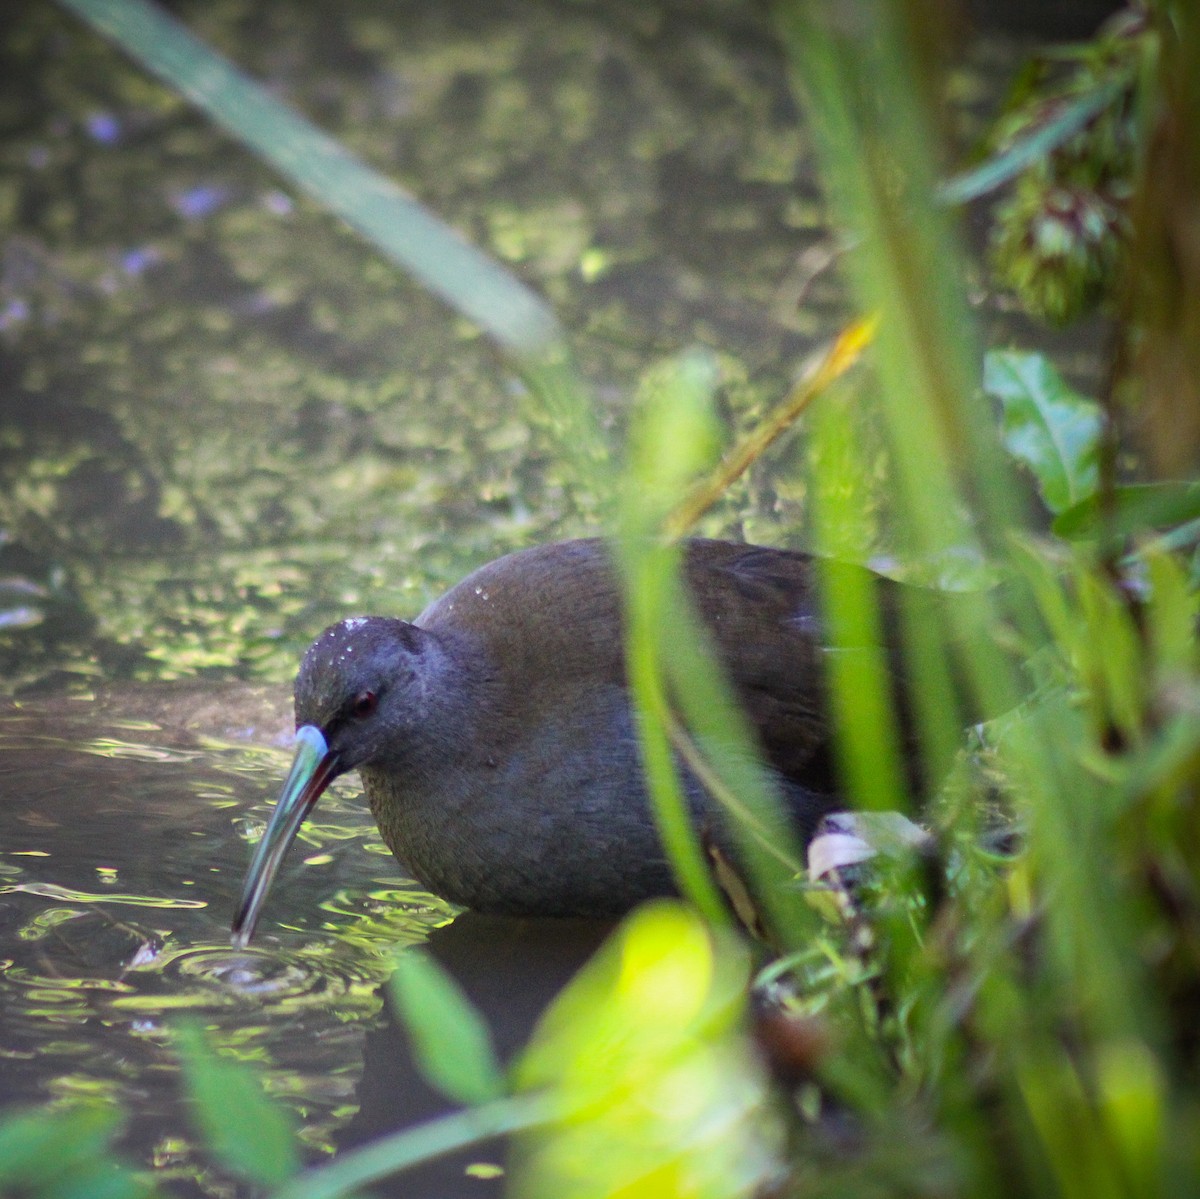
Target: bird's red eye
<point>365,703</point>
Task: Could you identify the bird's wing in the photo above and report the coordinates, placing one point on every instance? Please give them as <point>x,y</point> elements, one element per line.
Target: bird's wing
<point>762,608</point>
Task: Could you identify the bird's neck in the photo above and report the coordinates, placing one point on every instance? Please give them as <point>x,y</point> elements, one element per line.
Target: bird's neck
<point>445,708</point>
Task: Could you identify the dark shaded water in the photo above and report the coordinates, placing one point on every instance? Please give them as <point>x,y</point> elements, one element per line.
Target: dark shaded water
<point>225,423</point>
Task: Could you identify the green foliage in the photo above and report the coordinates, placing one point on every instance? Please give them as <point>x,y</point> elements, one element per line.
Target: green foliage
<point>1058,247</point>
<point>1014,1026</point>
<point>1069,137</point>
<point>243,1129</point>
<point>66,1153</point>
<point>1132,508</point>
<point>1051,430</point>
<point>450,1042</point>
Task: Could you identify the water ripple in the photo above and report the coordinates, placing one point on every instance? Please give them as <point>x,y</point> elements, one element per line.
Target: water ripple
<point>109,747</point>
<point>70,895</point>
<point>199,976</point>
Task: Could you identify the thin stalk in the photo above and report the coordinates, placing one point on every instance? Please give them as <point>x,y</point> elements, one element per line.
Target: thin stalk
<point>845,351</point>
<point>648,573</point>
<point>420,1143</point>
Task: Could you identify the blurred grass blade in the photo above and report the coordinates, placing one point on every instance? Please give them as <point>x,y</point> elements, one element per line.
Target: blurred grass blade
<point>354,1169</point>
<point>721,789</point>
<point>1132,1095</point>
<point>875,141</point>
<point>650,574</point>
<point>248,1133</point>
<point>853,64</point>
<point>1135,508</point>
<point>411,236</point>
<point>1072,1140</point>
<point>953,499</point>
<point>673,438</point>
<point>673,665</point>
<point>868,743</point>
<point>764,838</point>
<point>397,225</point>
<point>999,168</point>
<point>450,1041</point>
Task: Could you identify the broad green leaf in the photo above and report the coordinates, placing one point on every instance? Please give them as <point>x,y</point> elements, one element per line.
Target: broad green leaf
<point>250,1135</point>
<point>450,1041</point>
<point>1049,428</point>
<point>1134,507</point>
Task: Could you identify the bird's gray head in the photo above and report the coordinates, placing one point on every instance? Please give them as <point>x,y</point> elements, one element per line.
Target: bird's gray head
<point>359,696</point>
<point>360,683</point>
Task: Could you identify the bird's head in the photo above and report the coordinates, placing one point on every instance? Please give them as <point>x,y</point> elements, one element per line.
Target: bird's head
<point>357,695</point>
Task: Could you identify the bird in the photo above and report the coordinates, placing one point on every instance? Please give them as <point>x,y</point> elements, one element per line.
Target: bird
<point>495,737</point>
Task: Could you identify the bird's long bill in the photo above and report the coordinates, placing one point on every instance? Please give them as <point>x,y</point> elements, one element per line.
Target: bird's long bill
<point>312,770</point>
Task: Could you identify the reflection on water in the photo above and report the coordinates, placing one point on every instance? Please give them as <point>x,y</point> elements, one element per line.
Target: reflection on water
<point>120,865</point>
<point>225,423</point>
<point>53,891</point>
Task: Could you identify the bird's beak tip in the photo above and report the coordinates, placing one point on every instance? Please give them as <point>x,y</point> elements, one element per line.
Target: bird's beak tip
<point>312,770</point>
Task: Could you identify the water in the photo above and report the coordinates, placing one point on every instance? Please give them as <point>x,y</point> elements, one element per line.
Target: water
<point>224,424</point>
<point>124,856</point>
<point>227,423</point>
<point>124,851</point>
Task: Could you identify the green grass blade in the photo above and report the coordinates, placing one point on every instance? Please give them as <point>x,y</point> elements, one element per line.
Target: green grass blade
<point>450,1041</point>
<point>398,225</point>
<point>1000,168</point>
<point>242,1127</point>
<point>673,439</point>
<point>413,1146</point>
<point>404,231</point>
